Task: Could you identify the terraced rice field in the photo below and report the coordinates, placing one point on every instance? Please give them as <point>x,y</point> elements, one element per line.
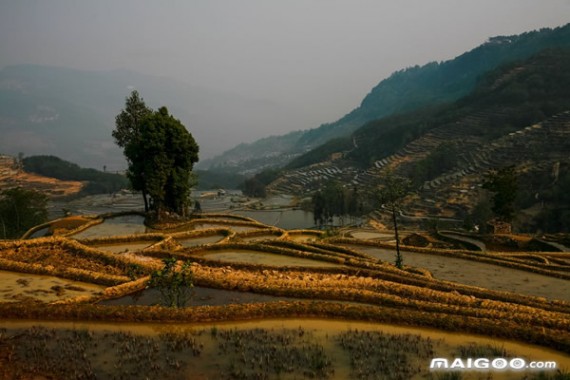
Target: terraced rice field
<point>480,274</point>
<point>121,225</point>
<point>301,275</point>
<point>193,242</point>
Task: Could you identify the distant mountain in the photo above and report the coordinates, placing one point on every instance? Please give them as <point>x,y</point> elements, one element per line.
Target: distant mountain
<point>517,115</point>
<point>70,113</point>
<point>406,90</point>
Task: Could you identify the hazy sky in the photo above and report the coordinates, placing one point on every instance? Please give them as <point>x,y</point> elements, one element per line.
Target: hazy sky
<point>317,57</point>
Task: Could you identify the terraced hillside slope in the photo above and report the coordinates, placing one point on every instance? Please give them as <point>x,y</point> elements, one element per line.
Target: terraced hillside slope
<point>518,115</point>
<point>11,175</point>
<point>404,91</point>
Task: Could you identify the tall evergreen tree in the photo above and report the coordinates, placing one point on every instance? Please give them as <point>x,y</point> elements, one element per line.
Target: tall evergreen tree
<point>128,123</point>
<point>162,156</point>
<point>503,183</point>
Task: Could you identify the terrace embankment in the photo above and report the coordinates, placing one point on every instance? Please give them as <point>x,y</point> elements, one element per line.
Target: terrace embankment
<point>313,277</point>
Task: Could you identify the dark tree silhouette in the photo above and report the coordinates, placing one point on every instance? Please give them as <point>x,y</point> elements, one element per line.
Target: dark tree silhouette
<point>390,195</point>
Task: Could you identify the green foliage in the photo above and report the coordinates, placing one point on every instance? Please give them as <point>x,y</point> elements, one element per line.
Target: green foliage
<point>440,160</point>
<point>479,216</point>
<point>161,154</point>
<point>127,131</point>
<point>252,187</point>
<point>555,216</point>
<point>129,120</point>
<point>503,183</point>
<point>98,182</point>
<point>20,210</point>
<point>174,283</point>
<point>334,200</point>
<point>218,179</point>
<point>393,190</point>
<point>255,186</point>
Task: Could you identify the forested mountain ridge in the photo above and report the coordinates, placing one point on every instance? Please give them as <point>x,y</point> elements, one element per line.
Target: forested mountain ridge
<point>517,115</point>
<point>406,90</point>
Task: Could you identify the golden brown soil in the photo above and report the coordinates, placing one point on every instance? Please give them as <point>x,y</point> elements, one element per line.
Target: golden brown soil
<point>11,177</point>
<point>58,257</point>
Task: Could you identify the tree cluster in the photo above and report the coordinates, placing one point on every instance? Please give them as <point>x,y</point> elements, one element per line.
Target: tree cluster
<point>160,153</point>
<point>20,210</point>
<point>503,184</point>
<point>256,185</point>
<point>98,182</point>
<point>334,200</point>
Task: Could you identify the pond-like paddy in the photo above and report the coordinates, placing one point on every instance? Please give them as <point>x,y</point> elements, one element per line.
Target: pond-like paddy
<point>288,219</point>
<point>369,235</point>
<point>261,258</point>
<point>275,349</point>
<point>18,287</point>
<point>479,274</point>
<point>193,242</point>
<point>235,228</point>
<point>40,233</point>
<point>121,225</point>
<point>259,237</point>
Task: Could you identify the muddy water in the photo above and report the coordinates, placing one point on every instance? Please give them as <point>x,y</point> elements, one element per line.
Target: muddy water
<point>201,351</point>
<point>235,228</point>
<point>121,225</point>
<point>193,242</point>
<point>40,233</point>
<point>368,235</point>
<point>16,287</point>
<point>252,257</point>
<point>480,274</point>
<point>259,237</point>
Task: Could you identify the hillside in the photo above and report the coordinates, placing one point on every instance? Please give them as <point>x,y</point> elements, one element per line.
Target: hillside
<point>96,182</point>
<point>12,175</point>
<point>517,115</point>
<point>406,90</point>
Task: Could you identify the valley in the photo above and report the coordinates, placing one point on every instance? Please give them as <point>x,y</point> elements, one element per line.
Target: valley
<point>432,221</point>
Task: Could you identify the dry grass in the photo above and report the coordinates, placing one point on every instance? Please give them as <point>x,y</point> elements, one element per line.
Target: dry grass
<point>361,287</point>
<point>496,258</point>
